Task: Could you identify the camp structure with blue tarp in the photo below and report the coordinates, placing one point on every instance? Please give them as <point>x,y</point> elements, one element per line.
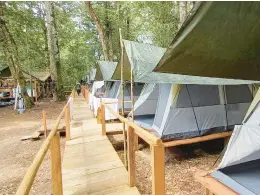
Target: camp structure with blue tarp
<point>180,106</point>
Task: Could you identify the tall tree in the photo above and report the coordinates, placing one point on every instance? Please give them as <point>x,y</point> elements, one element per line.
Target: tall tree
<point>54,52</point>
<point>12,56</point>
<point>103,39</point>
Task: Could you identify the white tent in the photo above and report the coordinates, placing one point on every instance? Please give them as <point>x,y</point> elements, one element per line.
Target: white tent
<point>111,89</point>
<point>240,166</point>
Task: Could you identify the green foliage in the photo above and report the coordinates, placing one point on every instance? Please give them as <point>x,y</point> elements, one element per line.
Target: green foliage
<point>80,48</point>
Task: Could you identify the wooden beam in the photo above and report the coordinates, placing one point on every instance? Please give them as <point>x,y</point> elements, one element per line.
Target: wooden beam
<point>197,139</point>
<point>67,121</point>
<point>114,132</point>
<point>214,186</point>
<point>145,135</point>
<point>158,170</point>
<point>44,123</point>
<point>56,165</point>
<point>131,156</point>
<point>35,91</point>
<point>103,120</point>
<point>226,140</point>
<point>208,192</point>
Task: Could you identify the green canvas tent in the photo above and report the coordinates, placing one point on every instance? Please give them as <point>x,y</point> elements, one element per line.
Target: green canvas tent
<point>219,39</point>
<point>106,69</point>
<point>5,72</point>
<point>143,58</point>
<point>40,75</point>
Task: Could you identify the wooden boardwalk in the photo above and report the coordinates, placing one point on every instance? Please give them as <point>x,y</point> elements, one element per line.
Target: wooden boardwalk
<point>90,163</point>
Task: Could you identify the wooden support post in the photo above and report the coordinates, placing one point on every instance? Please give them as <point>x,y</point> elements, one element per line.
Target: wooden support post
<point>35,90</point>
<point>103,119</point>
<point>208,192</point>
<point>122,95</point>
<point>87,96</point>
<point>158,170</point>
<point>99,117</point>
<point>67,121</point>
<point>226,140</point>
<point>131,156</point>
<point>44,123</point>
<point>56,165</point>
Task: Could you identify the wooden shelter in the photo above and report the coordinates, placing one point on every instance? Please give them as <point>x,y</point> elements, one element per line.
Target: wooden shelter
<point>40,81</point>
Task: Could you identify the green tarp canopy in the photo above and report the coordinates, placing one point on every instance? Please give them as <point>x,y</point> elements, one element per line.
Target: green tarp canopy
<point>219,39</point>
<point>5,72</point>
<point>39,75</point>
<point>143,58</point>
<point>106,70</point>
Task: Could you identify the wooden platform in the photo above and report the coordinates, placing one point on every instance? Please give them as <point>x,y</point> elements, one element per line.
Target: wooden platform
<point>90,163</point>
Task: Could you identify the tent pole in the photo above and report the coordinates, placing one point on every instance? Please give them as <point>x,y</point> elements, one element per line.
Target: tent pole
<point>132,104</point>
<point>122,96</point>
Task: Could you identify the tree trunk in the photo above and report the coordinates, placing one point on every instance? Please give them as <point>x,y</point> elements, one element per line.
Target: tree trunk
<point>108,33</point>
<point>183,12</point>
<point>99,28</point>
<point>12,57</point>
<point>42,15</point>
<point>54,53</point>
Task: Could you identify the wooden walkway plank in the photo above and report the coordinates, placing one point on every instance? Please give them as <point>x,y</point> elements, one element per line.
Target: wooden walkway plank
<point>90,163</point>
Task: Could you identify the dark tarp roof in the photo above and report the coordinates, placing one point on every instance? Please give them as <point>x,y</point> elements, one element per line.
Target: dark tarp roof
<point>5,71</point>
<point>219,39</point>
<point>39,75</point>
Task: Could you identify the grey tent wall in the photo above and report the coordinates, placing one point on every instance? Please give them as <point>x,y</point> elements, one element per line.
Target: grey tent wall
<point>147,101</point>
<point>198,110</point>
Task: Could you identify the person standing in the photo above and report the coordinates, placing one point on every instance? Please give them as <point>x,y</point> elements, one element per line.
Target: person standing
<point>78,88</point>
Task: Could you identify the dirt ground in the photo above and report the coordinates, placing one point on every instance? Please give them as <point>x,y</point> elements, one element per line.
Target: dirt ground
<point>16,155</point>
<point>181,164</point>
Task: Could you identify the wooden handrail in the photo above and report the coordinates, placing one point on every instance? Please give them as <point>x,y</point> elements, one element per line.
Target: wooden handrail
<point>157,151</point>
<point>145,135</point>
<point>197,139</point>
<point>26,184</point>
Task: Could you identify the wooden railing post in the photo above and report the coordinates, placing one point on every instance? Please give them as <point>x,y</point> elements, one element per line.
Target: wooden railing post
<point>67,121</point>
<point>99,116</point>
<point>103,119</point>
<point>226,140</point>
<point>56,165</point>
<point>158,170</point>
<point>131,156</point>
<point>44,123</point>
<point>87,96</point>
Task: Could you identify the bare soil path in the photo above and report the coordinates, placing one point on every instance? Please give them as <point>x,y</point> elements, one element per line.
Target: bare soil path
<point>16,155</point>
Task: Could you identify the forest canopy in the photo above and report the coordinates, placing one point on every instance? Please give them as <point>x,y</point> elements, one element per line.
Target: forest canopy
<point>79,38</point>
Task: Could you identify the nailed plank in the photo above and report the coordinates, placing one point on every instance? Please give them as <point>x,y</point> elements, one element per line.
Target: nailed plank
<point>90,163</point>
